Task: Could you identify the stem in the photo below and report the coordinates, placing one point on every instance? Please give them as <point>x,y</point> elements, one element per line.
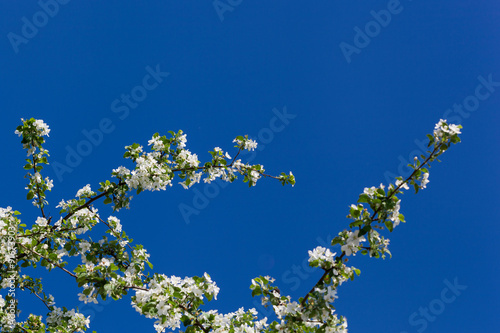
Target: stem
<point>50,261</point>
<point>41,299</point>
<point>197,323</point>
<point>40,201</point>
<point>87,204</point>
<point>112,230</point>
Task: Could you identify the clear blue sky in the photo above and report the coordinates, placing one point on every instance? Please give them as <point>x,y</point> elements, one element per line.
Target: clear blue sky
<point>356,103</point>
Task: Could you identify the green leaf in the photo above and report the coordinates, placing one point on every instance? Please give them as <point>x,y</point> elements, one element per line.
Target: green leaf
<point>389,225</point>
<point>257,291</point>
<point>356,223</point>
<point>336,240</point>
<point>30,195</point>
<point>364,230</point>
<point>363,198</point>
<point>185,320</point>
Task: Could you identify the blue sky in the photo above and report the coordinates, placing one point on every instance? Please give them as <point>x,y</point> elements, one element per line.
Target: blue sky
<point>339,92</point>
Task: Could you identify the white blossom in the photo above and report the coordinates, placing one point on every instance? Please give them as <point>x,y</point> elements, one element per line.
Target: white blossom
<point>424,180</point>
<point>323,254</point>
<point>352,243</point>
<point>121,171</point>
<point>404,184</point>
<point>442,127</point>
<point>157,143</point>
<point>42,127</point>
<point>394,217</point>
<point>85,191</point>
<point>49,182</point>
<point>247,144</point>
<point>41,221</point>
<point>114,222</point>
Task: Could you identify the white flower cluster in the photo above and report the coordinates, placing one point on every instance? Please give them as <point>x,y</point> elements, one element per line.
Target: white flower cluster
<point>38,185</point>
<point>221,152</point>
<point>91,297</point>
<point>157,143</point>
<point>394,217</point>
<point>442,127</point>
<point>352,243</point>
<point>254,176</point>
<point>84,247</point>
<point>73,321</point>
<point>404,185</point>
<point>41,221</point>
<point>163,290</point>
<point>181,141</point>
<point>106,268</point>
<point>148,174</point>
<point>246,143</point>
<point>5,212</point>
<point>85,192</point>
<point>8,229</point>
<point>329,294</point>
<point>82,220</point>
<point>317,312</point>
<point>40,126</point>
<point>321,257</point>
<point>372,191</point>
<point>378,244</point>
<point>155,170</point>
<point>282,305</point>
<point>6,217</point>
<point>114,222</point>
<point>186,159</point>
<point>338,326</point>
<point>224,173</point>
<point>286,307</point>
<point>239,321</point>
<point>424,180</point>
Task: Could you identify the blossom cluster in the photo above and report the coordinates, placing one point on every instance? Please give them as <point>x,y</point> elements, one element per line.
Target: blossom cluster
<point>352,243</point>
<point>442,129</point>
<point>155,170</point>
<point>69,321</point>
<point>167,297</point>
<point>321,257</point>
<point>315,312</point>
<point>32,132</point>
<point>111,267</point>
